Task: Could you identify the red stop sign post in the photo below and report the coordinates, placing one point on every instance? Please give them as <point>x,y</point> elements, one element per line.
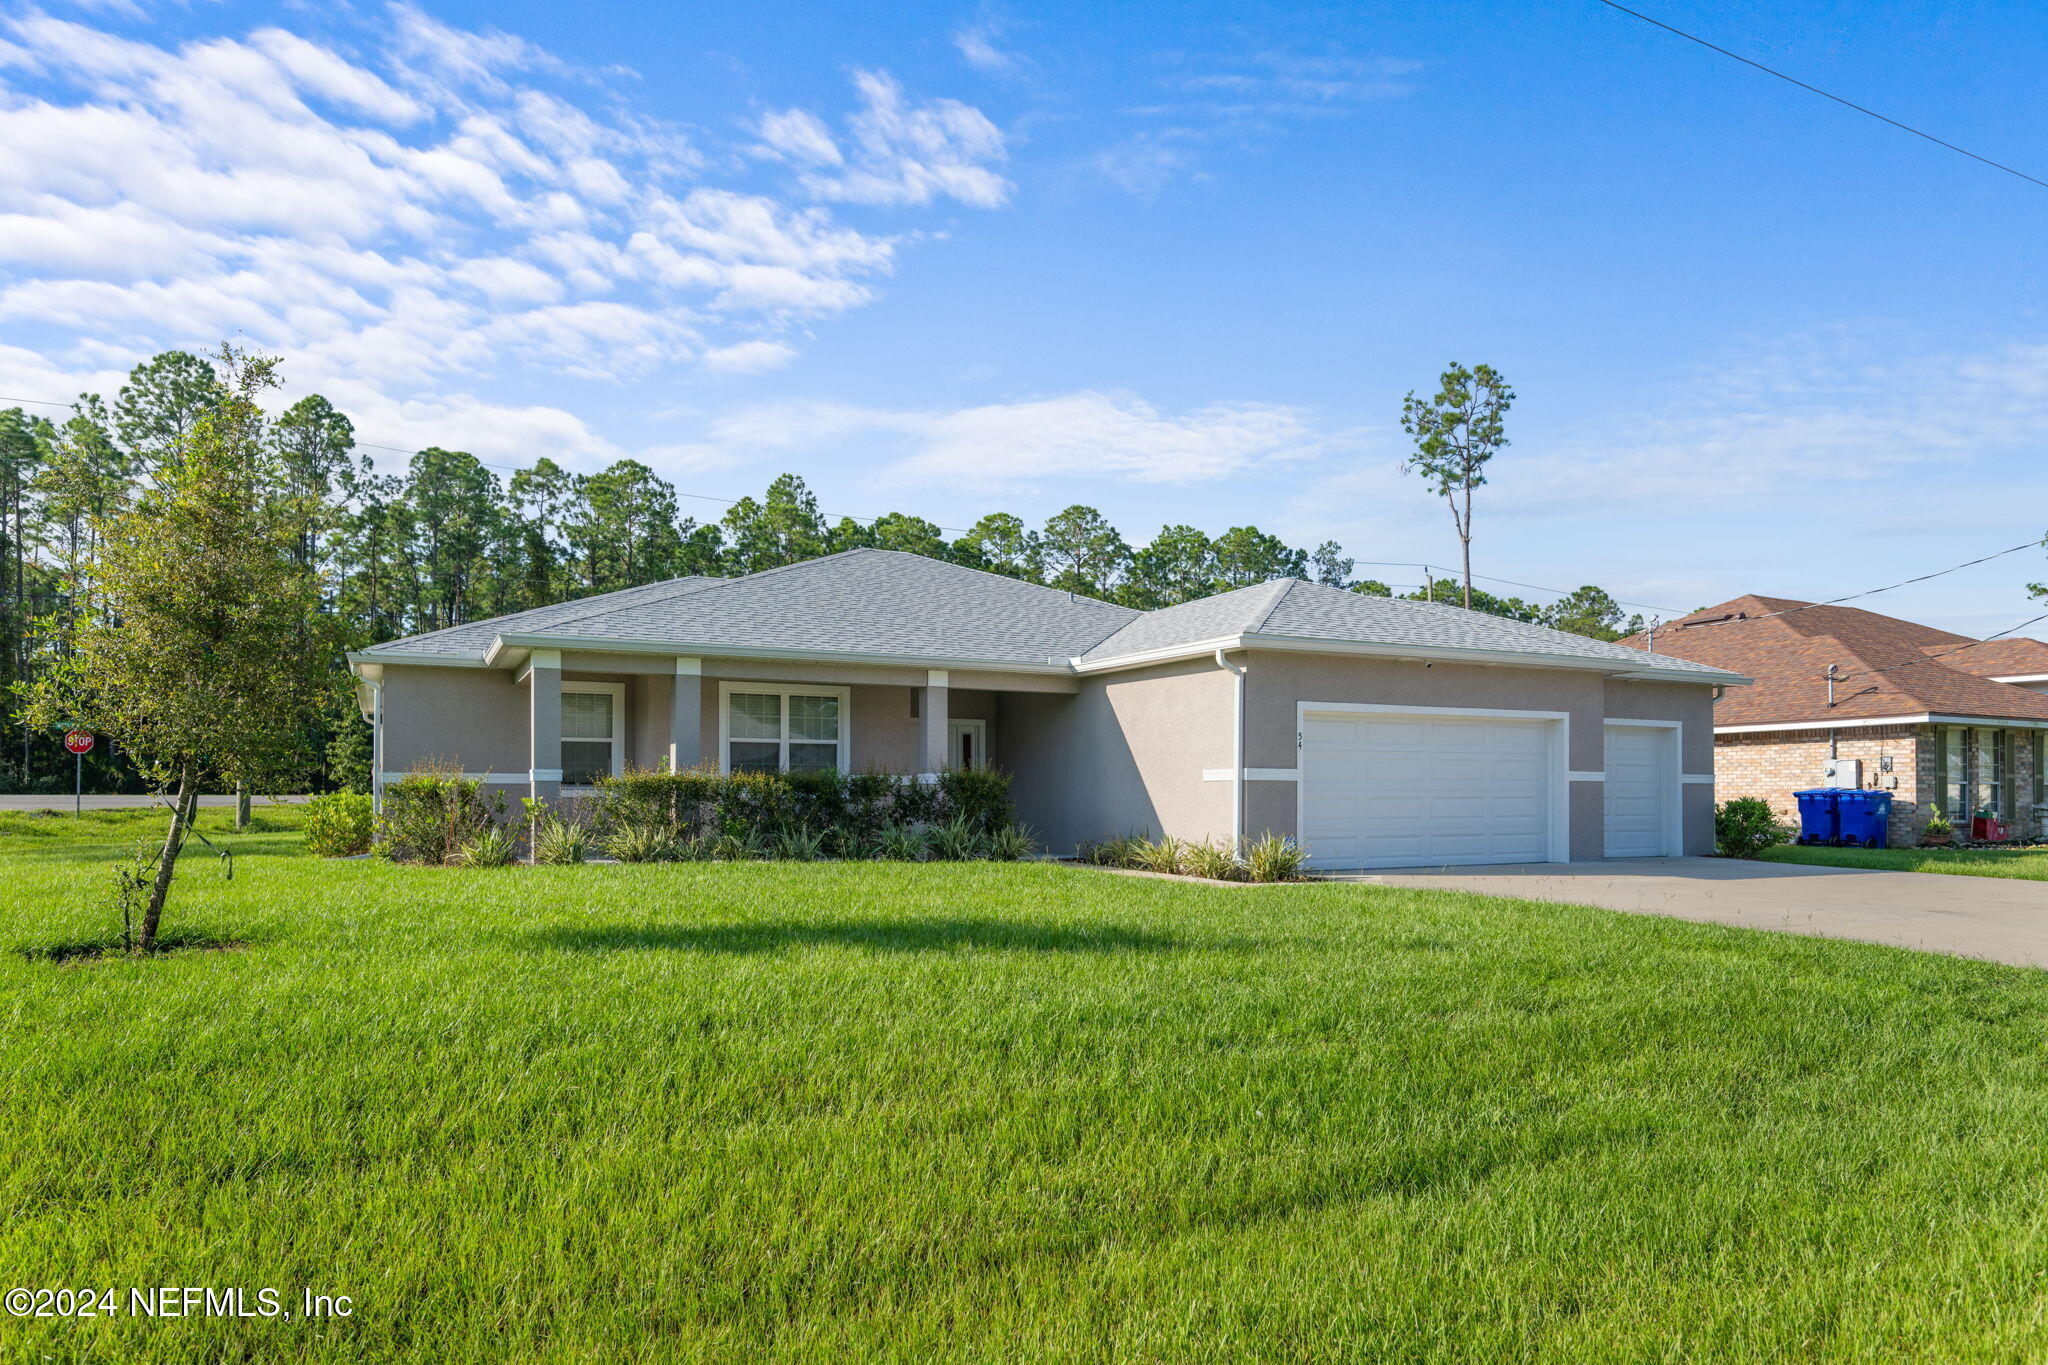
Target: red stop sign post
<point>79,742</point>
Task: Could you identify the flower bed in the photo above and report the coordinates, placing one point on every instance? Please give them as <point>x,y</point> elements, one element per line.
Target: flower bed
<point>1271,858</point>
<point>438,817</point>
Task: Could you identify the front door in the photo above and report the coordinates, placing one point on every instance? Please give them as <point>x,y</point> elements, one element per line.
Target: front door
<point>967,743</point>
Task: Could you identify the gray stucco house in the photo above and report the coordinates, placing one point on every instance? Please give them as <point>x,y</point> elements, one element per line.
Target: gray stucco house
<point>1380,733</point>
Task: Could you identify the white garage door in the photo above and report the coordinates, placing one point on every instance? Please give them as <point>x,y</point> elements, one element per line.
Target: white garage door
<point>1638,798</point>
<point>1386,790</point>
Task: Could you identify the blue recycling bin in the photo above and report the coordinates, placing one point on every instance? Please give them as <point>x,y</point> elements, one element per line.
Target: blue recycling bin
<point>1820,815</point>
<point>1865,817</point>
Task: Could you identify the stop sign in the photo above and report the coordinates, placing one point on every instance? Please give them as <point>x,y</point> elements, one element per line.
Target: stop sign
<point>78,741</point>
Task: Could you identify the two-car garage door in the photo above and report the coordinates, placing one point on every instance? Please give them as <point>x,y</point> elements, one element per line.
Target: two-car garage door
<point>1409,789</point>
<point>1388,789</point>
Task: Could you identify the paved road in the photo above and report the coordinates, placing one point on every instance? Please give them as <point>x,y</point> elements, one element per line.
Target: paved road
<point>2002,919</point>
<point>121,802</point>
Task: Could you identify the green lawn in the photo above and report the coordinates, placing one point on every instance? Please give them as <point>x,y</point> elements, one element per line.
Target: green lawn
<point>2029,864</point>
<point>999,1113</point>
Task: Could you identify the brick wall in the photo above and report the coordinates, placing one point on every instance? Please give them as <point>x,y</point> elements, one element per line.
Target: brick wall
<point>1776,764</point>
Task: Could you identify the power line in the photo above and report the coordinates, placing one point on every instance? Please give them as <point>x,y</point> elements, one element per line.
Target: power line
<point>1915,663</point>
<point>1872,592</point>
<point>1847,104</point>
<point>1489,578</point>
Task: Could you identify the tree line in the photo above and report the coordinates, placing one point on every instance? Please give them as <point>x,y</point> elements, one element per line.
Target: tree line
<point>449,539</point>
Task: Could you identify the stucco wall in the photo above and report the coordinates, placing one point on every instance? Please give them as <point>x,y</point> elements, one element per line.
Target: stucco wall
<point>473,718</point>
<point>1278,681</point>
<point>1124,754</point>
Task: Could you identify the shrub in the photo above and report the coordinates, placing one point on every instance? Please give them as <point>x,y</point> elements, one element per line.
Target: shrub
<point>557,842</point>
<point>340,825</point>
<point>979,796</point>
<point>1111,852</point>
<point>799,846</point>
<point>1938,825</point>
<point>848,811</point>
<point>649,843</point>
<point>737,848</point>
<point>1157,855</point>
<point>1011,843</point>
<point>431,814</point>
<point>957,840</point>
<point>1274,858</point>
<point>1745,826</point>
<point>903,844</point>
<point>1215,861</point>
<point>493,846</point>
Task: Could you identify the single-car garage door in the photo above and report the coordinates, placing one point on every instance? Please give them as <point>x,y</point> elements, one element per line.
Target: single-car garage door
<point>1382,789</point>
<point>1638,798</point>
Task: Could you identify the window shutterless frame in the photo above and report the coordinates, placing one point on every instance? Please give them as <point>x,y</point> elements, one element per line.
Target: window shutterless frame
<point>617,739</point>
<point>782,739</point>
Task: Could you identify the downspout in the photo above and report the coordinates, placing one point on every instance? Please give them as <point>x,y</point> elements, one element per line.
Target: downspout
<point>1236,751</point>
<point>377,746</point>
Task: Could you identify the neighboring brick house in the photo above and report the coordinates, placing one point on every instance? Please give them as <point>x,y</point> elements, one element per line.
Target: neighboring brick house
<point>1938,719</point>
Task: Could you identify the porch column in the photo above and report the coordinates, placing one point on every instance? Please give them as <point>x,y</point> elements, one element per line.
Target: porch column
<point>544,722</point>
<point>932,713</point>
<point>686,716</point>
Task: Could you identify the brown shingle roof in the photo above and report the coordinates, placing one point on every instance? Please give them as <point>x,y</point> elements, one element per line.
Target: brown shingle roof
<point>2015,658</point>
<point>1886,667</point>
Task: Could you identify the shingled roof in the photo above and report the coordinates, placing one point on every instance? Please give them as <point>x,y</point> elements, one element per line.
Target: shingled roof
<point>1289,609</point>
<point>891,605</point>
<point>1885,667</point>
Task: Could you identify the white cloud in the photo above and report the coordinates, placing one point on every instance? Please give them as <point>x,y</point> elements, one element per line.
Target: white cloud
<point>800,137</point>
<point>1146,164</point>
<point>1085,435</point>
<point>749,357</point>
<point>1238,100</point>
<point>424,215</point>
<point>894,152</point>
<point>1850,403</point>
<point>977,47</point>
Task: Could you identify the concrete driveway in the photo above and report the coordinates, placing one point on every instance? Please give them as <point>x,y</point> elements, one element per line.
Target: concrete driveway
<point>2001,919</point>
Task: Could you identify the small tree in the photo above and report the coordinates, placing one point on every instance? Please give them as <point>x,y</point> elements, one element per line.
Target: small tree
<point>1456,433</point>
<point>195,657</point>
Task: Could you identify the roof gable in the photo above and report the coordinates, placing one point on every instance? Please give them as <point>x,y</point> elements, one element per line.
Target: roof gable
<point>1884,666</point>
<point>1290,609</point>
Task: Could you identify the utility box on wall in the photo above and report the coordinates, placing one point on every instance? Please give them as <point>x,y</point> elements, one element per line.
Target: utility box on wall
<point>1842,772</point>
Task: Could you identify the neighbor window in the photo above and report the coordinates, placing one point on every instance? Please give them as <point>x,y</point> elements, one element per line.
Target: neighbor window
<point>2040,751</point>
<point>783,729</point>
<point>1989,772</point>
<point>593,716</point>
<point>1955,773</point>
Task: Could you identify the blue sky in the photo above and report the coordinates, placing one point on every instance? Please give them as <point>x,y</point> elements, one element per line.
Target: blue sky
<point>1177,262</point>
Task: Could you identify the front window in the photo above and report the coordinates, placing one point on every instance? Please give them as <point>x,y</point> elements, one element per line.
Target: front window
<point>591,716</point>
<point>777,729</point>
<point>1956,772</point>
<point>1989,773</point>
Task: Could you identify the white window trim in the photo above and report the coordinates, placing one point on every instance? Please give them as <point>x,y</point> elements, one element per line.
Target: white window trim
<point>785,691</point>
<point>972,726</point>
<point>1557,730</point>
<point>617,692</point>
